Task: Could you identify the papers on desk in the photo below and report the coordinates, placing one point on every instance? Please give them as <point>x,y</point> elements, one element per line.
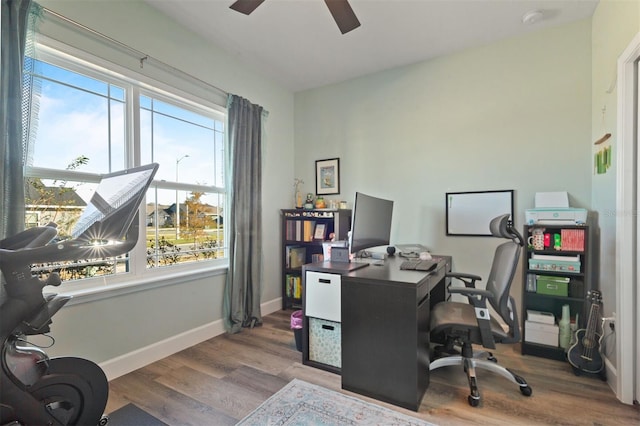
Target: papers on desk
<point>411,249</point>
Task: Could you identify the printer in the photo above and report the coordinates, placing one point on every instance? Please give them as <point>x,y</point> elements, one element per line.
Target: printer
<point>552,208</point>
<point>555,216</point>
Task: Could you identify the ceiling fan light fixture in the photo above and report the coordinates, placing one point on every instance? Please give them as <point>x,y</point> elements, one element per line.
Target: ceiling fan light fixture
<point>532,17</point>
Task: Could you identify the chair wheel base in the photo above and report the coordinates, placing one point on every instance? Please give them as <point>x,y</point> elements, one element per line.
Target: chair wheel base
<point>526,390</point>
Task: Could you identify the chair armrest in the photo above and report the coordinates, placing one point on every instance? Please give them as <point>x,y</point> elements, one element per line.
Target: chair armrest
<point>477,294</point>
<point>464,278</point>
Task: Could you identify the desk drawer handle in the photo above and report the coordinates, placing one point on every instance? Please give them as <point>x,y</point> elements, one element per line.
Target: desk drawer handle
<point>423,300</point>
<point>324,281</point>
<point>328,327</point>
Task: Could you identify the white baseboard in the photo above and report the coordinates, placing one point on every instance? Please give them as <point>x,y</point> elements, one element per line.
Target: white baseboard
<point>132,361</point>
<point>270,307</point>
<point>612,374</point>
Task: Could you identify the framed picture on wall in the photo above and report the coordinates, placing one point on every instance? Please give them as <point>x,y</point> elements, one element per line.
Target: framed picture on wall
<point>328,176</point>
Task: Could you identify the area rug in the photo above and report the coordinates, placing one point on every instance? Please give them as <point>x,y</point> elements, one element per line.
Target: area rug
<point>132,415</point>
<point>301,403</point>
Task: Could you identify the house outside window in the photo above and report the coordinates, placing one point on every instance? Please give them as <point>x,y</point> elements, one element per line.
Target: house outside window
<point>92,121</point>
<point>45,204</point>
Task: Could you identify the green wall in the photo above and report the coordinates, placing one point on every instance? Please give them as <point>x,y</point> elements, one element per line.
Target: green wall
<point>515,114</point>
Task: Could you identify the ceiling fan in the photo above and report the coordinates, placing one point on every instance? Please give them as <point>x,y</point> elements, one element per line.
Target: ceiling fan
<point>340,10</point>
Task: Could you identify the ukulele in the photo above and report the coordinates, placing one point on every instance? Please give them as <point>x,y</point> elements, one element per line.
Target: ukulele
<point>584,355</point>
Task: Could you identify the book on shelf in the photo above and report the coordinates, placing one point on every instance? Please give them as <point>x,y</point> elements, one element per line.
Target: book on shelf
<point>291,231</point>
<point>293,286</point>
<point>288,285</point>
<point>297,287</point>
<point>299,230</point>
<point>309,226</point>
<point>295,256</point>
<point>287,256</point>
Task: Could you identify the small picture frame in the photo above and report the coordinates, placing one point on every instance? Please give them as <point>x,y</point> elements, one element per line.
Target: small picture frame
<point>328,176</point>
<point>320,232</point>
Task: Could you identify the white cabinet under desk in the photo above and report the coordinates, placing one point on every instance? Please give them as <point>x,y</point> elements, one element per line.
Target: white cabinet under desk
<point>322,295</point>
<point>322,329</point>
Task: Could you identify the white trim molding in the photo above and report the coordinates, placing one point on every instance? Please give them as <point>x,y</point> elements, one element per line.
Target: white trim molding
<point>139,358</point>
<point>127,363</point>
<point>626,224</point>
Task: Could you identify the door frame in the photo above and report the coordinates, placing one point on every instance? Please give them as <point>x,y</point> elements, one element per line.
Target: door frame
<point>627,229</point>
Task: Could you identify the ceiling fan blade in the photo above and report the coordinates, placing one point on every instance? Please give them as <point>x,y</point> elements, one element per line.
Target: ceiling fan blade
<point>343,15</point>
<point>246,6</point>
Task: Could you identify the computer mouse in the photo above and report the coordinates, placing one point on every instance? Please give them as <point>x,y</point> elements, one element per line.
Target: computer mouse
<point>425,255</point>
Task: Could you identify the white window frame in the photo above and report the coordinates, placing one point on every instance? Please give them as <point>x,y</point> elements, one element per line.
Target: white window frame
<point>139,276</point>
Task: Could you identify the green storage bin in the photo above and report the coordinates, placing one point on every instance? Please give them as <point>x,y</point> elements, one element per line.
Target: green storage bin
<point>553,286</point>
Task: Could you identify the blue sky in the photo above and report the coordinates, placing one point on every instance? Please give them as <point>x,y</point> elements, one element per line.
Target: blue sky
<point>74,117</point>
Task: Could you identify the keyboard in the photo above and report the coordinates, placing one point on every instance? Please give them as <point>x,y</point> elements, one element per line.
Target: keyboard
<point>419,265</point>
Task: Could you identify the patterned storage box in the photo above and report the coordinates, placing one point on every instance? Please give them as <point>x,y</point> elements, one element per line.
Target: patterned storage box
<point>555,265</point>
<point>325,342</point>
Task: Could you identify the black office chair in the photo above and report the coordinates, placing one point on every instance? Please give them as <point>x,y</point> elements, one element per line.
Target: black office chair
<point>462,324</point>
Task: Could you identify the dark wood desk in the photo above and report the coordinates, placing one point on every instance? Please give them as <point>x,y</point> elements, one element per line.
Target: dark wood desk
<point>385,328</point>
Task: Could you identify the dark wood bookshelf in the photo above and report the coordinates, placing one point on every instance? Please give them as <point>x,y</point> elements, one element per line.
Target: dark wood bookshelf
<point>298,231</point>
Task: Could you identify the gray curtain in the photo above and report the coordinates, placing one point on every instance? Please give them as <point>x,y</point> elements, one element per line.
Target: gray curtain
<point>15,17</point>
<point>243,217</point>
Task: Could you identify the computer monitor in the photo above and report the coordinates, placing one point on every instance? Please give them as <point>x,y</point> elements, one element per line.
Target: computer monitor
<point>371,225</point>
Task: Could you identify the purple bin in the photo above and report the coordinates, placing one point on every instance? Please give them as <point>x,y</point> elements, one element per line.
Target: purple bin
<point>296,326</point>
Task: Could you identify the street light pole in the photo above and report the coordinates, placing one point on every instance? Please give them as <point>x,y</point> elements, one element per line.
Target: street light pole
<point>178,160</point>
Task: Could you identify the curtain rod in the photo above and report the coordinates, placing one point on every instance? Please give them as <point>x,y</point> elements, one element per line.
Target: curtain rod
<point>142,56</point>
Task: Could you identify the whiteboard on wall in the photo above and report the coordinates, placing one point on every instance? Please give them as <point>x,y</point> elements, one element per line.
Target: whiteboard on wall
<point>469,213</point>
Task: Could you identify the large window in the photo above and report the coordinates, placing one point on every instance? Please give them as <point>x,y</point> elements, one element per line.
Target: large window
<point>93,121</point>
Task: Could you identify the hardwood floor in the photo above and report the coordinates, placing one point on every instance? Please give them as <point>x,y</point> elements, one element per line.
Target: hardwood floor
<point>220,381</point>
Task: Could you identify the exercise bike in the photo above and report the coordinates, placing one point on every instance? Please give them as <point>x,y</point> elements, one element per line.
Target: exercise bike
<point>36,389</point>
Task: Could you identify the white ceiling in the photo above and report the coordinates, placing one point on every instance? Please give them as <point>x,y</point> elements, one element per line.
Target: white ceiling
<point>297,43</point>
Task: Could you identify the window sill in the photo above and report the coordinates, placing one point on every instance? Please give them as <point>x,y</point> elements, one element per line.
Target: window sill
<point>107,290</point>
